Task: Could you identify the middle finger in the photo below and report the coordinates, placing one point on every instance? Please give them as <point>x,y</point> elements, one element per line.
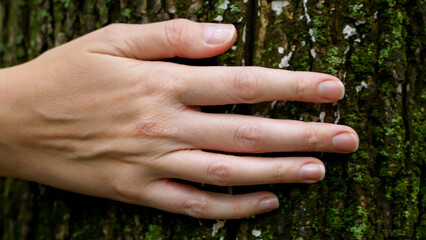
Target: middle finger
<point>228,85</point>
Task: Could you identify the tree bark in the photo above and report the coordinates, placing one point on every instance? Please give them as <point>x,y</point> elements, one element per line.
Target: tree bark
<point>374,46</point>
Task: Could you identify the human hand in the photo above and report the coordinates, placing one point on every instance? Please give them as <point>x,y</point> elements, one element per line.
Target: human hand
<point>99,116</point>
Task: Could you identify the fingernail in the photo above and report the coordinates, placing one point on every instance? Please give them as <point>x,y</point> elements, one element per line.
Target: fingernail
<point>218,33</point>
<point>331,89</point>
<point>268,204</point>
<point>311,171</point>
<point>345,142</point>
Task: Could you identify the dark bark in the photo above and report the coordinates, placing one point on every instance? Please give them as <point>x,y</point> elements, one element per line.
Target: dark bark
<point>374,46</point>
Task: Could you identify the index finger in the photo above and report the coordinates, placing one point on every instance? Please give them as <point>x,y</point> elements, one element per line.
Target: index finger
<point>230,85</point>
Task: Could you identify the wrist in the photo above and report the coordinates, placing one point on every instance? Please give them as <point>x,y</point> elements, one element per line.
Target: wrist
<point>8,93</point>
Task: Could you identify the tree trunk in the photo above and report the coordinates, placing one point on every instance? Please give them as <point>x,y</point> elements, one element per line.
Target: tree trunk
<point>374,46</point>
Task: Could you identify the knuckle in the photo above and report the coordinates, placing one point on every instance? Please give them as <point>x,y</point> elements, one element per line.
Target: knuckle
<point>112,32</point>
<point>127,191</point>
<point>175,31</point>
<point>166,83</point>
<point>196,207</point>
<point>112,29</point>
<point>148,128</point>
<point>309,139</point>
<point>219,173</point>
<point>248,137</point>
<point>300,87</point>
<point>173,87</point>
<point>246,85</point>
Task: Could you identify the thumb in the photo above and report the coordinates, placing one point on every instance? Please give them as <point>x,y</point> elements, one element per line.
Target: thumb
<point>174,38</point>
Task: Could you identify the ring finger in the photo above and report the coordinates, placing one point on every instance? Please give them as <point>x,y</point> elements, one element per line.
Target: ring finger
<point>236,133</point>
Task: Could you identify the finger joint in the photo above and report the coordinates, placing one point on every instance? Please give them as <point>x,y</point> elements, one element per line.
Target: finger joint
<point>176,32</point>
<point>219,173</point>
<point>248,137</point>
<point>278,173</point>
<point>309,139</point>
<point>246,85</point>
<point>300,87</point>
<point>196,207</point>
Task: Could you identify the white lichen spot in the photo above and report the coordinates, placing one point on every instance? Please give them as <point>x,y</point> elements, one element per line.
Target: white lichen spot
<point>302,44</point>
<point>375,15</point>
<point>234,48</point>
<point>243,62</point>
<point>357,40</point>
<point>349,31</point>
<point>222,238</point>
<point>280,50</point>
<point>308,18</point>
<point>277,6</point>
<point>256,233</point>
<point>399,89</point>
<point>243,37</point>
<point>217,226</point>
<point>337,116</point>
<point>258,13</point>
<point>240,20</point>
<point>245,1</point>
<point>347,50</point>
<point>172,10</point>
<point>311,33</point>
<point>219,18</point>
<point>224,5</point>
<point>360,87</point>
<point>273,104</point>
<point>322,116</point>
<point>285,61</point>
<point>359,22</point>
<point>313,53</point>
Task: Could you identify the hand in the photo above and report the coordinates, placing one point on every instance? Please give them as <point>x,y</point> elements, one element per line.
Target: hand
<point>98,116</point>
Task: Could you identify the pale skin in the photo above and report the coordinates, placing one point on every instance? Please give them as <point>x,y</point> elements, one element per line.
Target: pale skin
<point>103,115</point>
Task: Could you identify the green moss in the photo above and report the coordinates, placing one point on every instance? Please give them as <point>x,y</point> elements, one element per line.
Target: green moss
<point>333,60</point>
<point>8,186</point>
<point>418,148</point>
<point>268,234</point>
<point>363,60</point>
<point>361,224</point>
<point>127,12</point>
<point>218,10</point>
<point>154,232</point>
<point>65,3</point>
<point>234,9</point>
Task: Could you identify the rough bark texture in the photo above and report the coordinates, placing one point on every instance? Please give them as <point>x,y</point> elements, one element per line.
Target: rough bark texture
<point>374,46</point>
